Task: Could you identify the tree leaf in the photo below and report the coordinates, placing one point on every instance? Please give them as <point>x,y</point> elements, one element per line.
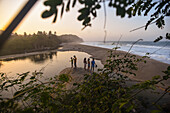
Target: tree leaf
<point>68,6</point>
<point>149,22</point>
<point>47,3</point>
<point>74,2</point>
<point>155,111</point>
<point>122,104</point>
<point>46,14</point>
<point>81,1</point>
<point>55,18</point>
<point>86,20</point>
<point>120,11</point>
<point>98,6</point>
<point>168,36</point>
<point>58,2</point>
<point>84,13</point>
<point>62,10</point>
<point>110,3</point>
<point>129,108</point>
<point>81,17</point>
<point>129,12</point>
<point>94,13</point>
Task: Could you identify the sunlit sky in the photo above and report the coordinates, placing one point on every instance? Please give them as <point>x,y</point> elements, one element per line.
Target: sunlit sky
<point>68,24</point>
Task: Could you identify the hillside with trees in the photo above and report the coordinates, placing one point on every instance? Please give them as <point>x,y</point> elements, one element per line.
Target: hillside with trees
<point>36,42</point>
<point>103,92</point>
<point>69,38</point>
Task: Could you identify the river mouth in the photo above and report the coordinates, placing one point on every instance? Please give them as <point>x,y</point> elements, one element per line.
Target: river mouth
<point>50,63</point>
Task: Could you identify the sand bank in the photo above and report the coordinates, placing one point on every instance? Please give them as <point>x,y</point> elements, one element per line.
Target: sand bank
<point>145,71</point>
<point>77,76</point>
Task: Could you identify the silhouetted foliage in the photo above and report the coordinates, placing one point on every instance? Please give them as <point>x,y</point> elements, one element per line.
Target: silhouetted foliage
<point>106,91</point>
<point>161,37</point>
<point>22,44</point>
<point>160,9</point>
<point>157,10</point>
<point>36,42</point>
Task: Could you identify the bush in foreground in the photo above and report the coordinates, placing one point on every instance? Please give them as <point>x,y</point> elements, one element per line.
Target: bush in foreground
<point>106,91</point>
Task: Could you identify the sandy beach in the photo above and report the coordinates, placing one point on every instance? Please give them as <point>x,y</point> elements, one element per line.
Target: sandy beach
<point>145,71</point>
<point>77,76</point>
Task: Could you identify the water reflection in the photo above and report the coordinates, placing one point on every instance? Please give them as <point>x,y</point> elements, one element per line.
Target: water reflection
<point>39,58</point>
<point>49,63</point>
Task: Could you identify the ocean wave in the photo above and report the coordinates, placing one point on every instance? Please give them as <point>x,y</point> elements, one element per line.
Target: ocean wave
<point>146,46</point>
<point>158,57</point>
<point>162,55</point>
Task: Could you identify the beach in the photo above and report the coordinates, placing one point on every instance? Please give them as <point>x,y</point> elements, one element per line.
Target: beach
<point>145,70</point>
<point>60,64</point>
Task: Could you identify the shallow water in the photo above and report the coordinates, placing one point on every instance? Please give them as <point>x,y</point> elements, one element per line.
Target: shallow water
<point>49,63</point>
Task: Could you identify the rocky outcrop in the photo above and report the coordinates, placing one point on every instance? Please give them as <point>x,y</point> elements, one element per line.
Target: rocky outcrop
<point>70,38</point>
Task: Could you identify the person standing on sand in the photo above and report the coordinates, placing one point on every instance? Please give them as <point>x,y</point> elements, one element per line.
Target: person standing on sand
<point>71,62</point>
<point>85,62</point>
<point>92,64</point>
<point>88,63</point>
<point>75,61</point>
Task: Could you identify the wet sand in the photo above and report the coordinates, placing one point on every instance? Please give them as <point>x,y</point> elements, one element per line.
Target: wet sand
<point>145,71</point>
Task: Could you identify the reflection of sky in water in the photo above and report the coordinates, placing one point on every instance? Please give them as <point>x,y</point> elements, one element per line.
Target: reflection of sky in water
<point>50,63</point>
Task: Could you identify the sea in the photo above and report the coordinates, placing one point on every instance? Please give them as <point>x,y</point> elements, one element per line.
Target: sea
<point>159,51</point>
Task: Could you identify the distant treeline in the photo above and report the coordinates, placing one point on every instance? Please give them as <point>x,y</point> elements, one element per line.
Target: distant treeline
<point>36,42</point>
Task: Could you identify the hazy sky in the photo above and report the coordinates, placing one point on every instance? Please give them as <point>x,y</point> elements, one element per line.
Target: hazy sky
<point>69,24</point>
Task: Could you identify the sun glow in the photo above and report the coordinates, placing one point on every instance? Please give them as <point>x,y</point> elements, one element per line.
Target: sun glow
<point>69,24</point>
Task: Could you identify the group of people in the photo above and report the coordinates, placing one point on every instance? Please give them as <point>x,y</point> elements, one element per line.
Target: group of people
<point>74,60</point>
<point>85,61</point>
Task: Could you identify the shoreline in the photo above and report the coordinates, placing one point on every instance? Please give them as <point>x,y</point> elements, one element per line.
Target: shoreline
<point>27,54</point>
<point>145,71</point>
<point>65,47</point>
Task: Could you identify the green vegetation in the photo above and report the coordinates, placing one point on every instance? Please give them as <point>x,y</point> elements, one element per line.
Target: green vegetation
<point>106,91</point>
<point>36,42</point>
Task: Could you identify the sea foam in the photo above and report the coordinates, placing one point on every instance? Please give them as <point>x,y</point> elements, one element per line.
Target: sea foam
<point>158,51</point>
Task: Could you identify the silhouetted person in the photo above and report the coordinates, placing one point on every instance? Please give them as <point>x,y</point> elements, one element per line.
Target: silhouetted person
<point>92,64</point>
<point>75,61</point>
<point>71,62</point>
<point>88,63</point>
<point>85,62</point>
